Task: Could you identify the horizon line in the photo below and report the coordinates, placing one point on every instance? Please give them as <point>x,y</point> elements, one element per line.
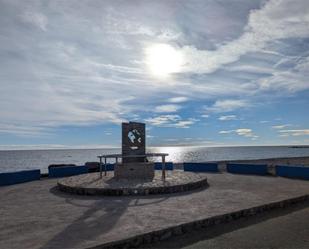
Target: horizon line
<point>82,147</point>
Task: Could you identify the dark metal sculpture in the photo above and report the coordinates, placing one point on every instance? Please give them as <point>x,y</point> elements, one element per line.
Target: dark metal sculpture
<point>134,164</point>
<point>133,141</point>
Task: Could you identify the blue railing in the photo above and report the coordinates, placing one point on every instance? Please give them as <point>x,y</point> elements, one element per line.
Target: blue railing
<point>168,166</point>
<point>66,171</point>
<point>254,169</point>
<point>201,167</point>
<point>293,171</point>
<point>10,178</point>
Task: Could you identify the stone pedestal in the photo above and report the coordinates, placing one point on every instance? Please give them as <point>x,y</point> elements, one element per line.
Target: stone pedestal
<point>134,171</point>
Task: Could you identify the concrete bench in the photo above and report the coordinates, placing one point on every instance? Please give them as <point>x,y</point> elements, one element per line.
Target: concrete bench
<point>67,171</point>
<point>254,169</point>
<point>200,167</point>
<point>168,166</point>
<point>10,178</point>
<point>293,171</point>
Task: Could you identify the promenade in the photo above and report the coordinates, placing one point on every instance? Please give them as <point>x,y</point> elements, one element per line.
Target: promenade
<point>286,228</point>
<point>37,215</point>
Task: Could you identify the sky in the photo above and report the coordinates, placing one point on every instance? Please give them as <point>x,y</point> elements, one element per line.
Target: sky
<point>200,72</point>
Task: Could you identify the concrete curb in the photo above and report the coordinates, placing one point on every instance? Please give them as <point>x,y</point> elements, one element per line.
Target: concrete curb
<point>166,233</point>
<point>134,191</point>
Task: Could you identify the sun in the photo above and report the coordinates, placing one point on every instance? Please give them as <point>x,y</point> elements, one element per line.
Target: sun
<point>163,60</point>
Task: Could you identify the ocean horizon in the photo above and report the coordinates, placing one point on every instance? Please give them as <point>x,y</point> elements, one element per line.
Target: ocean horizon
<point>15,160</point>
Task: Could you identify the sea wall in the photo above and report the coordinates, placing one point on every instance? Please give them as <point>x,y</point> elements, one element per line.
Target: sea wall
<point>300,161</point>
<point>10,178</point>
<point>290,161</point>
<point>270,162</point>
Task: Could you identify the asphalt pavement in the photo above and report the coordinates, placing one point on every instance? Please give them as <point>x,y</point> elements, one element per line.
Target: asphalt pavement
<point>284,228</point>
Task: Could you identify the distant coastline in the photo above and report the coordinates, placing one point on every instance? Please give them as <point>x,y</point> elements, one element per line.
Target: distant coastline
<point>299,146</point>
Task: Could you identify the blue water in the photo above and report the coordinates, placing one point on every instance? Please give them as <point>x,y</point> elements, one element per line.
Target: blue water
<point>40,159</point>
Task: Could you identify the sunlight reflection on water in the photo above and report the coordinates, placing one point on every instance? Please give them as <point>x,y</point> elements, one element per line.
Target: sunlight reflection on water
<point>200,154</point>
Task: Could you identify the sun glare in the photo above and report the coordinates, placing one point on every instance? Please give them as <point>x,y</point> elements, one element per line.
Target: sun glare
<point>163,59</point>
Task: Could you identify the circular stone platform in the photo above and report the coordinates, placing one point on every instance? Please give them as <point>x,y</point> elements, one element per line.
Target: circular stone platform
<point>92,184</point>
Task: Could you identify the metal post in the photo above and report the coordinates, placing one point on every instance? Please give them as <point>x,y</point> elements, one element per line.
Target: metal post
<point>163,168</point>
<point>105,166</point>
<point>100,166</point>
<point>116,160</point>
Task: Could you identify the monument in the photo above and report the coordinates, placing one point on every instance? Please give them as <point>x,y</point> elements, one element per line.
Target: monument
<point>134,165</point>
<point>133,142</point>
<point>134,175</point>
<point>134,162</point>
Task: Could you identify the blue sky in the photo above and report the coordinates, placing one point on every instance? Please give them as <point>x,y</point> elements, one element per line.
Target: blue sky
<point>204,73</point>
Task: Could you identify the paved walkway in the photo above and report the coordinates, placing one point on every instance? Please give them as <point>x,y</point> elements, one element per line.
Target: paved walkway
<point>278,229</point>
<point>36,215</point>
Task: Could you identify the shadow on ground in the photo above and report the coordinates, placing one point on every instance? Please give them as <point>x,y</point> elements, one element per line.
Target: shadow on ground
<point>101,215</point>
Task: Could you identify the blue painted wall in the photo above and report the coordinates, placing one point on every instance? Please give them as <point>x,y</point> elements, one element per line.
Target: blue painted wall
<point>168,166</point>
<point>67,171</point>
<point>253,169</point>
<point>293,172</point>
<point>109,167</point>
<point>19,177</point>
<point>201,167</point>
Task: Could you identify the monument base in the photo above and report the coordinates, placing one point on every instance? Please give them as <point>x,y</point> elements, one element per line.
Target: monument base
<point>93,184</point>
<point>144,171</point>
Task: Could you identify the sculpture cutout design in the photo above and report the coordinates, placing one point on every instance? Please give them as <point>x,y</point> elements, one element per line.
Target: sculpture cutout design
<point>133,141</point>
<point>135,138</point>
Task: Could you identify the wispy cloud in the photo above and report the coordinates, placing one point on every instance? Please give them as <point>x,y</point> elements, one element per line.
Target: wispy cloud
<point>53,146</point>
<point>228,117</point>
<point>188,142</point>
<point>167,108</point>
<point>178,99</point>
<point>35,18</point>
<point>163,120</point>
<point>227,105</point>
<point>26,130</point>
<point>185,123</point>
<point>171,121</point>
<point>267,24</point>
<point>226,132</point>
<point>244,132</point>
<point>301,132</point>
<point>85,65</point>
<point>278,127</point>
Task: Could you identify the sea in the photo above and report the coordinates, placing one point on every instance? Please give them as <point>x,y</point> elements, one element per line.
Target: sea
<point>15,160</point>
